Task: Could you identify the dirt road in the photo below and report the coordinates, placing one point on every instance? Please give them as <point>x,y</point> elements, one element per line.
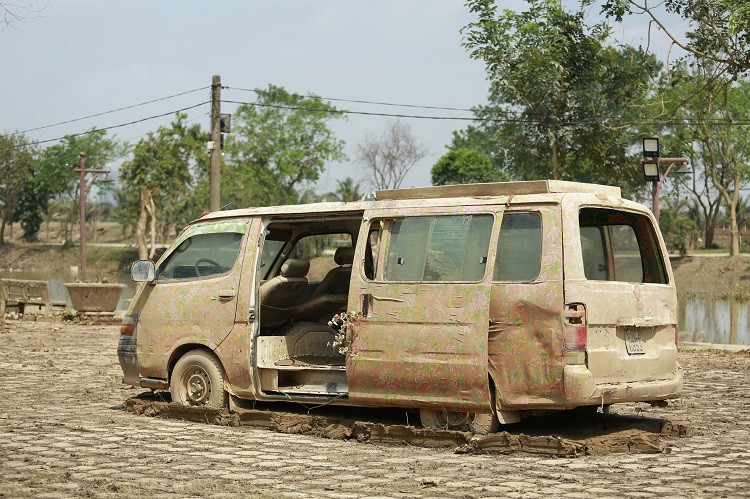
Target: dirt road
<point>63,434</point>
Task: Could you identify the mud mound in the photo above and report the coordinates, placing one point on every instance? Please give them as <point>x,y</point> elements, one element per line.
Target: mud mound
<point>622,435</point>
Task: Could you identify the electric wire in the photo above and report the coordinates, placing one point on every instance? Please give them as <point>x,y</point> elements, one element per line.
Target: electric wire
<point>111,111</point>
<point>357,101</point>
<point>111,127</point>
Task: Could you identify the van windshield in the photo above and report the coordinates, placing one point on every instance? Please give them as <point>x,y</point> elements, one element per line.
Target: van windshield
<point>620,246</point>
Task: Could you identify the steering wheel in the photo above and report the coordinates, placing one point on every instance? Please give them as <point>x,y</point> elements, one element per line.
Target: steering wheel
<point>204,260</point>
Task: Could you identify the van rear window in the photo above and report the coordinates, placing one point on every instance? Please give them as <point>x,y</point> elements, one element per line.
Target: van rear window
<point>620,246</point>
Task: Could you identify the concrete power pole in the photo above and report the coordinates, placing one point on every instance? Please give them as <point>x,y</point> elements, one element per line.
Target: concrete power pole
<point>215,173</point>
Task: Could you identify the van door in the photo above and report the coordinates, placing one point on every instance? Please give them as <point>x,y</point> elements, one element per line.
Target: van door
<point>194,296</point>
<point>616,266</point>
<point>424,299</point>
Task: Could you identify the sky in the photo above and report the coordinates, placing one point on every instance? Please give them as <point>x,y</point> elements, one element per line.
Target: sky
<point>82,57</point>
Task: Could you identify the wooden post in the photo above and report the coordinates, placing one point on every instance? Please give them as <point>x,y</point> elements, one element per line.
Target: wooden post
<point>215,171</point>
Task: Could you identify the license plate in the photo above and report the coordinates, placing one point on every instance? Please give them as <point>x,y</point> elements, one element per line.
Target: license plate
<point>633,342</point>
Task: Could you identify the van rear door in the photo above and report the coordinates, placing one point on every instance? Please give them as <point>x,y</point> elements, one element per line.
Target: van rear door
<point>616,267</point>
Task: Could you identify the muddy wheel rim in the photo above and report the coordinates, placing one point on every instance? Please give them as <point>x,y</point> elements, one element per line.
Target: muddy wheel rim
<point>197,386</point>
<point>452,420</point>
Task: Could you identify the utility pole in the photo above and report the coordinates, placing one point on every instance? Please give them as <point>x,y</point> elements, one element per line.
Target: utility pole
<point>83,188</point>
<point>651,161</point>
<point>215,145</point>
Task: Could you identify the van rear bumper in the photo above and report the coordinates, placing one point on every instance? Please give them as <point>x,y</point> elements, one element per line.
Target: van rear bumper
<point>581,389</point>
<point>128,357</point>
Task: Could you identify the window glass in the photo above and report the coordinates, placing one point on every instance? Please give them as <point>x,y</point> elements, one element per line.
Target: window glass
<point>594,256</point>
<point>438,249</point>
<point>202,255</point>
<point>519,248</point>
<point>626,253</point>
<point>271,251</point>
<point>372,252</point>
<point>625,249</point>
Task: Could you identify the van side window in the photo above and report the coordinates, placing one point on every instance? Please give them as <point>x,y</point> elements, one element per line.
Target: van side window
<point>202,255</point>
<point>620,246</point>
<point>438,248</point>
<point>519,248</point>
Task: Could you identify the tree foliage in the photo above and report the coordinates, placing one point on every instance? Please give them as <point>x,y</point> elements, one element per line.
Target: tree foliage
<point>172,165</point>
<point>278,145</point>
<point>720,33</point>
<point>465,166</point>
<point>561,96</point>
<point>16,166</point>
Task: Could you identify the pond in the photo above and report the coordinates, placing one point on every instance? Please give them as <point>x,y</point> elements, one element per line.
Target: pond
<point>58,279</point>
<point>714,320</point>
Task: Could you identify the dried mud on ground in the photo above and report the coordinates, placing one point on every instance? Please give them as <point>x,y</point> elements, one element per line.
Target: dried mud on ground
<point>63,433</point>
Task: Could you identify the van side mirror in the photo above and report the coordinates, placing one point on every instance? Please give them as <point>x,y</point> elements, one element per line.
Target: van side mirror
<point>143,271</point>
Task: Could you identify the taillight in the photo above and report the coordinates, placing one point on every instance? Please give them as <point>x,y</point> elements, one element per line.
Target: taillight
<point>574,329</point>
<point>128,325</point>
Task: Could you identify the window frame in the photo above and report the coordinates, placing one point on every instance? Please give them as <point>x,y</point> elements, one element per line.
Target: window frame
<point>656,239</point>
<point>385,242</point>
<point>167,257</point>
<point>540,215</point>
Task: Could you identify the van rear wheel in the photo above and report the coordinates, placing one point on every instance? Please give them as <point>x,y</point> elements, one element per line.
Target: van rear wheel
<point>479,423</point>
<point>198,381</point>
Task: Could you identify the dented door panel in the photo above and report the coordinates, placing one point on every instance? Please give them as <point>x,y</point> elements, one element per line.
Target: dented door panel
<point>525,337</point>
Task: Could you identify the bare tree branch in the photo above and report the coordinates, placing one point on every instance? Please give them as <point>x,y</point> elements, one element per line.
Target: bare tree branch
<point>390,157</point>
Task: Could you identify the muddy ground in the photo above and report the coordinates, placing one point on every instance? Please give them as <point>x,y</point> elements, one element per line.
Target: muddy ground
<point>721,277</point>
<point>63,433</point>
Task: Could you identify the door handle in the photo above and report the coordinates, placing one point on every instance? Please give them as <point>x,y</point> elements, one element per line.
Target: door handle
<point>226,294</point>
<point>387,298</point>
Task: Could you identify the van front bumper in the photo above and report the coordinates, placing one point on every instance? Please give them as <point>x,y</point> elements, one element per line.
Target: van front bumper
<point>581,389</point>
<point>126,353</point>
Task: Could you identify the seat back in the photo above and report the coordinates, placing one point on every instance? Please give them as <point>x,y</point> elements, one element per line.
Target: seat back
<point>336,281</point>
<point>278,295</point>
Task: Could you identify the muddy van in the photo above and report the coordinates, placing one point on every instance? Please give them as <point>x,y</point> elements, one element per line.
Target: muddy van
<point>474,305</point>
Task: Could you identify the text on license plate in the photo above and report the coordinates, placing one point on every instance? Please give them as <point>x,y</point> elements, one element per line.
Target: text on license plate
<point>634,342</point>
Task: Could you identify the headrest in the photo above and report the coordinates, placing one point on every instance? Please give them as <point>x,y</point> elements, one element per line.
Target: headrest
<point>295,268</point>
<point>344,256</point>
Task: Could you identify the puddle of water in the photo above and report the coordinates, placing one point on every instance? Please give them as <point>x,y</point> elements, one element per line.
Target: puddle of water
<point>713,320</point>
<point>58,279</point>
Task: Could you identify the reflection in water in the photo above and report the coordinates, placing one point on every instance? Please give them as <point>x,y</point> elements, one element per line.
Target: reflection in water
<point>715,321</point>
<point>57,290</point>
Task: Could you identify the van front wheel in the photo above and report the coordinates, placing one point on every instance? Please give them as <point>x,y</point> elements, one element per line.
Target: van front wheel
<point>461,421</point>
<point>198,380</point>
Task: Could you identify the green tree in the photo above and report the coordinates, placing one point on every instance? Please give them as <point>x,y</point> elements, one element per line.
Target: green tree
<point>465,166</point>
<point>561,95</point>
<point>346,190</point>
<point>17,159</point>
<point>719,34</point>
<point>172,165</point>
<point>53,178</point>
<point>705,129</point>
<point>277,145</point>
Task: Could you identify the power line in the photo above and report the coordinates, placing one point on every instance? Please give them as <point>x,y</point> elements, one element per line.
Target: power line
<point>111,127</point>
<point>602,121</point>
<point>111,111</point>
<point>357,101</point>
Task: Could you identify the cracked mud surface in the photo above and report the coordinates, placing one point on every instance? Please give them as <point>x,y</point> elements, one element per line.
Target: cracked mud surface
<point>63,434</point>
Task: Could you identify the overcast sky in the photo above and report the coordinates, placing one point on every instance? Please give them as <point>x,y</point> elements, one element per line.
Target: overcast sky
<point>84,56</point>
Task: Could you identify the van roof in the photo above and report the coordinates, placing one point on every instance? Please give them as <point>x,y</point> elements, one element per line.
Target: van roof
<point>411,197</point>
<point>497,189</point>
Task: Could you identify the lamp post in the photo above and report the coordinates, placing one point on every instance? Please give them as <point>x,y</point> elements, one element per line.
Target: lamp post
<point>83,188</point>
<point>651,171</point>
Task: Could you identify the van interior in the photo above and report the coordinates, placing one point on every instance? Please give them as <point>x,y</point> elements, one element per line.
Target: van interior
<point>305,271</point>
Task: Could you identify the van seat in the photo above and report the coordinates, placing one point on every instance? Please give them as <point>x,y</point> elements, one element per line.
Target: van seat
<point>278,295</point>
<point>336,281</point>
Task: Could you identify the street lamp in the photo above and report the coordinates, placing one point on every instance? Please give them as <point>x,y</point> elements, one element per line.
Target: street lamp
<point>651,160</point>
<point>651,171</point>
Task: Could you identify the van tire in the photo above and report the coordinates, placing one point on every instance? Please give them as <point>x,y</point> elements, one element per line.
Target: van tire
<point>198,381</point>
